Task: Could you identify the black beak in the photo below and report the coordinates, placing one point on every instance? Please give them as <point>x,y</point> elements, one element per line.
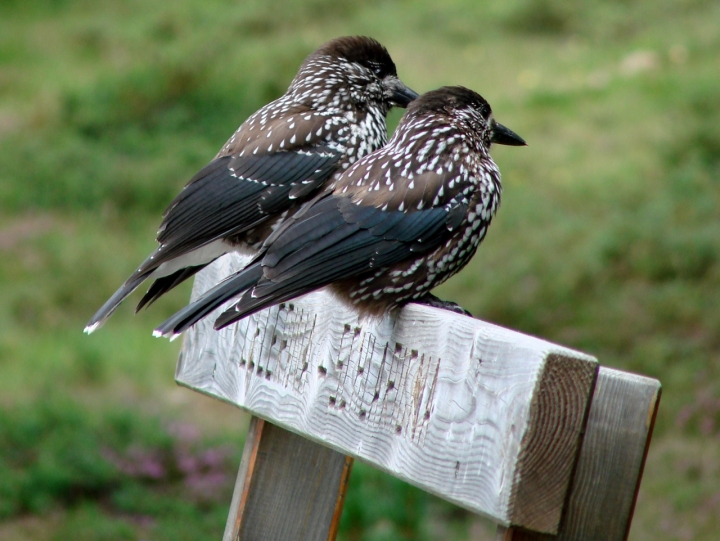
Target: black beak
<point>398,93</point>
<point>503,136</point>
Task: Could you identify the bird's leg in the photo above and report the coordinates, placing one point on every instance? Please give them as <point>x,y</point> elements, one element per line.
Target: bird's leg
<point>431,300</point>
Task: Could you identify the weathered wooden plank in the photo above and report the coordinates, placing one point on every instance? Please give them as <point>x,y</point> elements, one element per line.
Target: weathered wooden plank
<point>505,533</point>
<point>549,451</point>
<point>518,534</point>
<point>287,488</point>
<point>480,415</point>
<point>612,457</point>
<point>622,416</point>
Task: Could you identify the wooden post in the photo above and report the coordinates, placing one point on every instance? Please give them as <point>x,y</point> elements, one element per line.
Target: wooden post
<point>612,457</point>
<point>287,488</point>
<point>482,416</point>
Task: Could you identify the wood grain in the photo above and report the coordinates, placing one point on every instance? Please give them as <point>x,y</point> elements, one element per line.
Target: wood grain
<point>518,534</point>
<point>448,403</point>
<point>288,488</point>
<point>340,499</point>
<point>612,457</point>
<point>611,462</point>
<point>548,453</point>
<point>242,484</point>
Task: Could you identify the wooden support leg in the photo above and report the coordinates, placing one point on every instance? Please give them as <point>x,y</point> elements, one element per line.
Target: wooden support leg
<point>609,469</point>
<point>288,488</point>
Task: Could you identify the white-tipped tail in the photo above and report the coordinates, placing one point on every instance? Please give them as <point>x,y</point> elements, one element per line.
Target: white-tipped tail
<point>90,328</point>
<point>107,309</point>
<point>169,335</point>
<point>212,299</point>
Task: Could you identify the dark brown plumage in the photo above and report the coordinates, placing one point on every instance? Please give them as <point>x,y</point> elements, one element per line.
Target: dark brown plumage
<point>397,223</point>
<point>333,114</point>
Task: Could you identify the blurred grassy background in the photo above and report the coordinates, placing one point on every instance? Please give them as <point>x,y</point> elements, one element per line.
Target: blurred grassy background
<point>607,240</point>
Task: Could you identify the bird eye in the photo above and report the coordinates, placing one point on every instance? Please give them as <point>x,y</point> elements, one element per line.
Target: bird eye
<point>377,70</point>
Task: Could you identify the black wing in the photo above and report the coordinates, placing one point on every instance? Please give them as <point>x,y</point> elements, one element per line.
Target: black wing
<point>228,196</point>
<point>338,239</point>
<point>234,194</point>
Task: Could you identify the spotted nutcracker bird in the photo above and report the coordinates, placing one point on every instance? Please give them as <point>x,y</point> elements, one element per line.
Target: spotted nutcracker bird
<point>333,114</point>
<point>396,224</point>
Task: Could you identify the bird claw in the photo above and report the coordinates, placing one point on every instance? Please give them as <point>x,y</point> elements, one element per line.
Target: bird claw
<point>432,300</point>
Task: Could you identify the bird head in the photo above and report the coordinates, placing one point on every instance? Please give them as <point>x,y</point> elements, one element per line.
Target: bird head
<point>469,112</point>
<point>352,71</point>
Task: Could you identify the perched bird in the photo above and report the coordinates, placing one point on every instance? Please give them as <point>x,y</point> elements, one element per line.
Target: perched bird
<point>396,224</point>
<point>333,114</point>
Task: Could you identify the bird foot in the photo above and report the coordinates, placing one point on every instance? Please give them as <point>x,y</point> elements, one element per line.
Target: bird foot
<point>432,300</point>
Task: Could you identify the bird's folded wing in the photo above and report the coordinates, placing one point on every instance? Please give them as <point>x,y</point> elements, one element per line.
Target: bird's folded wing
<point>233,194</point>
<point>339,239</point>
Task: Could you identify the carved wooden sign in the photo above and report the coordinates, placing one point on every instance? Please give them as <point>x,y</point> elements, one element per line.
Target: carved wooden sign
<point>485,417</point>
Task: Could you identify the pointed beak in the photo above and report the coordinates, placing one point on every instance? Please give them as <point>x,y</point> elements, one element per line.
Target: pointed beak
<point>396,91</point>
<point>504,136</point>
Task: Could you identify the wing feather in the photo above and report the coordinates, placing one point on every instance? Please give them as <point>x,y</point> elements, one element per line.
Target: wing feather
<point>337,240</point>
<point>228,201</point>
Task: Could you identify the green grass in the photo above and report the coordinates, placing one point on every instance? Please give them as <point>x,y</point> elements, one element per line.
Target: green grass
<point>606,241</point>
<point>112,474</point>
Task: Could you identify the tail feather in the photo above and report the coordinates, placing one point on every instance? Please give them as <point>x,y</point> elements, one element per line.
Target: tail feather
<point>131,284</point>
<point>107,309</point>
<point>248,305</point>
<point>165,283</point>
<point>212,299</point>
